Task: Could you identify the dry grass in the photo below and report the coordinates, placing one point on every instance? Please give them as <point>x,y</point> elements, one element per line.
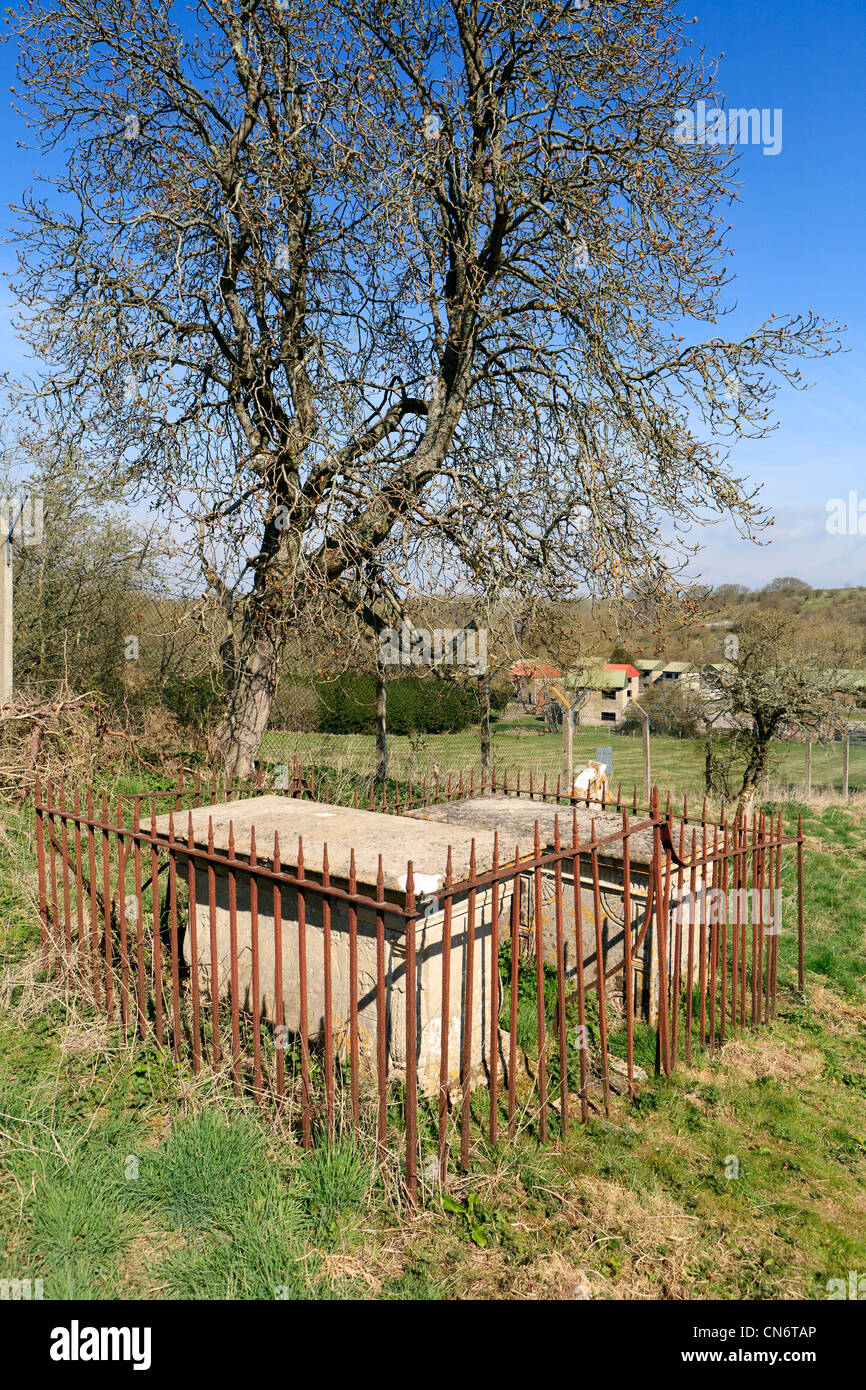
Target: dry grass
<point>630,1208</point>
<point>821,799</point>
<point>829,1006</point>
<point>762,1056</point>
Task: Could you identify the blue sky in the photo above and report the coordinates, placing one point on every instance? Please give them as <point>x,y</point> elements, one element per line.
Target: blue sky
<point>798,240</point>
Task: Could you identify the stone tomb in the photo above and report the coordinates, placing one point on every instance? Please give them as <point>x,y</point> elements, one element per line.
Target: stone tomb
<point>514,818</point>
<point>398,839</point>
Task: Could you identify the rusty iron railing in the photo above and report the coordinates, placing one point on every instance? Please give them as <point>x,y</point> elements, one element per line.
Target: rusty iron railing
<point>129,914</point>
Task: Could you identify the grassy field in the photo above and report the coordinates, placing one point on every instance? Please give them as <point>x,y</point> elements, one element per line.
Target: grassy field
<point>675,763</point>
<point>123,1176</point>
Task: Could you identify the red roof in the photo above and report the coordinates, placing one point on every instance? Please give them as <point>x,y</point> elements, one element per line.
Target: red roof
<point>623,666</point>
<point>539,670</point>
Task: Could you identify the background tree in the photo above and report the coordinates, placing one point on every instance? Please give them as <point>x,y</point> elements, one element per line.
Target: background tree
<point>93,607</point>
<point>786,593</point>
<point>674,711</point>
<point>368,287</point>
<point>790,676</point>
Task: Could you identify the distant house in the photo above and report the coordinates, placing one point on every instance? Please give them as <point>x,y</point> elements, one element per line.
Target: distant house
<point>609,688</point>
<point>648,672</point>
<point>632,676</point>
<point>852,687</point>
<point>683,672</point>
<point>531,681</point>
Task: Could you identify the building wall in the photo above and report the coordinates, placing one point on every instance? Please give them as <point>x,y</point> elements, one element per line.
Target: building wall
<point>684,679</point>
<point>602,708</point>
<point>648,679</point>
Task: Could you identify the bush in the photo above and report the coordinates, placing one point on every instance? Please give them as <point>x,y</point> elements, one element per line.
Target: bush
<point>416,704</point>
<point>676,712</point>
<point>193,699</point>
<point>295,705</point>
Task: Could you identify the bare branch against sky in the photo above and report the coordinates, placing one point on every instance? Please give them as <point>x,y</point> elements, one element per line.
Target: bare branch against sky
<point>380,296</point>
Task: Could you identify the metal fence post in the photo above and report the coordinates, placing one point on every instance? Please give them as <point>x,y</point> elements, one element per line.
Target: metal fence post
<point>411,1043</point>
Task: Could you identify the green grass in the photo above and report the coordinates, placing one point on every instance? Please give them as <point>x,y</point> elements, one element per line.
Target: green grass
<point>122,1176</point>
<point>676,763</point>
<point>332,1191</point>
<point>206,1167</point>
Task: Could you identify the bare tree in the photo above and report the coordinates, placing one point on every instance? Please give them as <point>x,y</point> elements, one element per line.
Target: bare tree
<point>93,609</point>
<point>788,677</point>
<point>369,288</point>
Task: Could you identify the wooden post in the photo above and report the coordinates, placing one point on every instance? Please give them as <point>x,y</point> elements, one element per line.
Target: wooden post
<point>808,778</point>
<point>846,764</point>
<point>647,788</point>
<point>801,933</point>
<point>568,746</point>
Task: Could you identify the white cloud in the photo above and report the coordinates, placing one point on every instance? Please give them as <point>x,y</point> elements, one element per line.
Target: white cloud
<point>798,544</point>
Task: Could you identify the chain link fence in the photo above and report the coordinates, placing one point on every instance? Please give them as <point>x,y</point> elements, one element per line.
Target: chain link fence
<point>99,613</point>
<point>316,723</point>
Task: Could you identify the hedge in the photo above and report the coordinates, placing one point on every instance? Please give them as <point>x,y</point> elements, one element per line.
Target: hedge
<point>416,704</point>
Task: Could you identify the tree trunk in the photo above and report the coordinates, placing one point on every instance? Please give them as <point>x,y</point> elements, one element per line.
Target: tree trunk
<point>240,730</point>
<point>756,769</point>
<point>484,699</point>
<point>708,763</point>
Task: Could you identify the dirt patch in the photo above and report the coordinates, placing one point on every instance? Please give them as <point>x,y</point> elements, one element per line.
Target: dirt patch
<point>144,1253</point>
<point>556,1277</point>
<point>354,1268</point>
<point>767,1056</point>
<point>86,1037</point>
<point>650,1242</point>
<point>832,1006</point>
